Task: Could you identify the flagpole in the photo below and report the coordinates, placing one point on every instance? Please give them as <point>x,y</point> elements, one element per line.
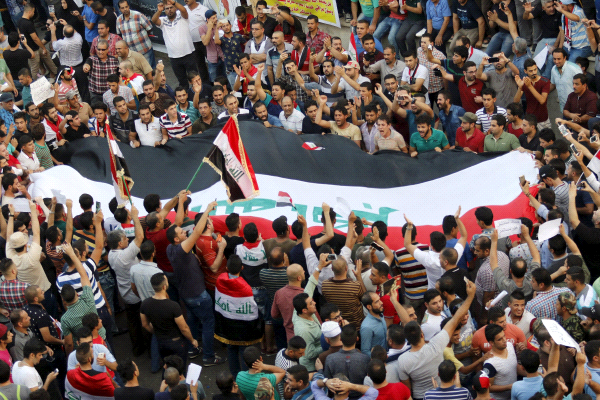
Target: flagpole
<point>126,190</point>
<point>194,177</point>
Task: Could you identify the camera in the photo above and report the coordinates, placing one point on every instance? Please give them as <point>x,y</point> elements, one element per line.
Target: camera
<point>369,57</point>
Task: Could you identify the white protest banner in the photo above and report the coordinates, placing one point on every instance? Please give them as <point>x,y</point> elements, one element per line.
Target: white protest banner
<point>342,207</point>
<point>193,373</point>
<point>508,227</point>
<point>497,299</point>
<point>41,90</point>
<point>540,59</point>
<point>60,198</point>
<point>558,333</point>
<point>548,229</point>
<point>21,204</point>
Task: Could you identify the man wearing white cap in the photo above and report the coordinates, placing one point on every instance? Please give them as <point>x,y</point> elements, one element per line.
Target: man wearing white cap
<point>332,332</point>
<point>574,32</point>
<point>348,79</point>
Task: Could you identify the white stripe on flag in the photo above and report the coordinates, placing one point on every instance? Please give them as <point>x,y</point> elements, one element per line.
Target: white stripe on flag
<point>594,164</point>
<point>233,163</point>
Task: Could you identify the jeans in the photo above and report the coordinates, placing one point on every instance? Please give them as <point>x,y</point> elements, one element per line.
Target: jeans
<point>261,297</point>
<point>234,355</point>
<point>501,42</point>
<point>106,280</point>
<point>545,72</point>
<point>445,37</point>
<point>391,26</point>
<point>200,311</point>
<point>182,65</point>
<point>107,322</point>
<point>362,16</point>
<point>50,303</point>
<point>406,36</point>
<point>170,346</point>
<point>172,290</point>
<point>216,69</point>
<point>280,336</point>
<point>472,34</point>
<point>231,77</point>
<point>149,55</point>
<point>201,61</point>
<point>584,52</point>
<point>155,364</point>
<point>343,7</point>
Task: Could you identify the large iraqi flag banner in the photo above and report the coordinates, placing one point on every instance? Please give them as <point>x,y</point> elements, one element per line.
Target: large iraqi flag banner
<point>377,187</point>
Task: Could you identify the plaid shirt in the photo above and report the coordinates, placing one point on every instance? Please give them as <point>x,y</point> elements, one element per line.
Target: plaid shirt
<point>543,305</point>
<point>99,72</point>
<point>436,83</point>
<point>112,43</point>
<point>135,31</point>
<point>316,43</point>
<point>71,320</point>
<point>300,93</point>
<point>12,294</point>
<point>485,278</point>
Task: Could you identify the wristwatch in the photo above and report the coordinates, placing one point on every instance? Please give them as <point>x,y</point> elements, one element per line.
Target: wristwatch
<point>318,270</point>
<point>325,381</point>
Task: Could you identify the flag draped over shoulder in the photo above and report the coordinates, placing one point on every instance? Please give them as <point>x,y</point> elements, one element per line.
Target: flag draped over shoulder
<point>236,319</point>
<point>229,159</point>
<point>118,168</point>
<point>80,385</point>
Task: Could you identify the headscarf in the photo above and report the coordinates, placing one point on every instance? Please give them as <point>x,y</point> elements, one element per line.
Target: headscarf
<point>72,20</point>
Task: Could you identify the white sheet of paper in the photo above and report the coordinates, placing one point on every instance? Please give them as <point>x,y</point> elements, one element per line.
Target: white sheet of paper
<point>540,59</point>
<point>41,90</point>
<point>60,198</point>
<point>193,373</point>
<point>497,299</point>
<point>548,229</point>
<point>507,227</point>
<point>558,333</point>
<point>21,205</point>
<point>342,207</point>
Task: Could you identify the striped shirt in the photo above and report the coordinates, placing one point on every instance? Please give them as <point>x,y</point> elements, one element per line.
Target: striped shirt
<point>543,305</point>
<point>346,295</point>
<point>451,393</point>
<point>575,31</point>
<point>273,279</point>
<point>43,154</point>
<point>413,272</point>
<point>135,31</point>
<point>180,127</point>
<point>284,362</point>
<point>485,120</point>
<point>74,279</point>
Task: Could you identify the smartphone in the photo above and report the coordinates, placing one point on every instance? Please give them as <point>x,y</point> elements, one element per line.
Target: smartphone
<point>594,139</point>
<point>331,257</point>
<point>56,370</point>
<point>98,207</point>
<point>573,149</point>
<point>437,72</point>
<point>522,180</point>
<point>430,47</point>
<point>376,246</point>
<point>219,238</point>
<point>22,37</point>
<point>50,9</point>
<point>160,61</point>
<point>494,59</point>
<point>502,6</point>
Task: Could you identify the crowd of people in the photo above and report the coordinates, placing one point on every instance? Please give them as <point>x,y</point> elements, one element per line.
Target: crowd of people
<point>344,316</point>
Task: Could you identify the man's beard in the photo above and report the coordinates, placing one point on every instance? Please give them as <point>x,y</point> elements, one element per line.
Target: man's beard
<point>68,79</point>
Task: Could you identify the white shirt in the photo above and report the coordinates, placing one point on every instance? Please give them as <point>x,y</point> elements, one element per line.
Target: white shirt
<point>148,134</point>
<point>431,261</point>
<point>524,323</point>
<point>421,73</point>
<point>351,93</point>
<point>431,325</point>
<point>138,84</point>
<point>293,122</point>
<point>225,114</point>
<point>31,163</point>
<point>177,36</point>
<point>195,18</point>
<point>69,50</point>
<point>27,376</point>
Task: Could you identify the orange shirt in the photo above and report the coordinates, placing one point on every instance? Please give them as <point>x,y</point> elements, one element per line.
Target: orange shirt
<point>207,250</point>
<point>513,334</point>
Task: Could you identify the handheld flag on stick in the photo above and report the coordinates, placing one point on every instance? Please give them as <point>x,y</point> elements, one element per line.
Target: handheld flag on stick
<point>284,199</point>
<point>352,47</point>
<point>118,168</point>
<point>229,159</point>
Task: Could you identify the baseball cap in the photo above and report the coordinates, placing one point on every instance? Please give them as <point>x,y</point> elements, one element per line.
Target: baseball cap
<point>567,2</point>
<point>481,380</point>
<point>331,329</point>
<point>468,117</point>
<point>546,170</point>
<point>591,312</point>
<point>6,97</point>
<point>70,94</point>
<point>280,225</point>
<point>3,330</point>
<point>17,239</point>
<point>264,390</point>
<point>352,64</point>
<point>209,13</point>
<point>568,300</point>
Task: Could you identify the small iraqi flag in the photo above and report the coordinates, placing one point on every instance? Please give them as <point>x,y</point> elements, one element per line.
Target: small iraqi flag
<point>284,199</point>
<point>311,146</point>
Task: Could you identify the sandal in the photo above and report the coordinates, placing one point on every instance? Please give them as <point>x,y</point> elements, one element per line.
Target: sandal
<point>487,40</point>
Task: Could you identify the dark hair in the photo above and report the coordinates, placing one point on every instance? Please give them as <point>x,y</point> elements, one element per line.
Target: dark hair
<point>300,36</point>
<point>448,223</point>
<point>574,261</point>
<point>100,106</point>
<point>176,362</point>
<point>225,382</point>
<point>313,17</point>
<point>446,284</point>
<point>113,78</point>
<point>232,221</point>
<point>396,334</point>
<point>495,313</point>
<point>251,354</point>
<point>25,139</point>
<point>468,64</point>
<point>251,232</point>
<point>530,360</point>
<point>4,371</point>
<point>126,369</point>
<point>491,331</point>
<point>430,295</point>
<point>518,267</point>
<point>423,119</point>
<point>500,119</point>
<point>541,275</point>
<point>437,240</point>
<point>234,264</point>
<point>179,392</point>
<point>13,39</point>
<point>296,343</point>
<point>68,293</point>
<point>530,63</point>
<point>488,91</point>
<point>33,346</point>
<point>90,321</point>
<point>376,371</point>
<point>582,78</point>
<point>326,310</point>
<point>349,335</point>
<point>515,109</point>
<point>547,134</point>
<point>157,281</point>
<point>381,226</point>
<point>299,302</point>
<point>413,333</point>
<point>117,99</point>
<point>83,332</point>
<point>461,51</point>
<point>558,244</point>
<point>517,295</point>
<point>299,372</point>
<point>484,243</point>
<point>447,371</point>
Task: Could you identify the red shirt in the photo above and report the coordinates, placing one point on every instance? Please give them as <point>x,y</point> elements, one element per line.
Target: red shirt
<point>516,132</point>
<point>475,142</point>
<point>297,56</point>
<point>394,391</point>
<point>244,29</point>
<point>468,94</point>
<point>533,105</point>
<point>206,250</point>
<point>513,333</point>
<point>161,242</point>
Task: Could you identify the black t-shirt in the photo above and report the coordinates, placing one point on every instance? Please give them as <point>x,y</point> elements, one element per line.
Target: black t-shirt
<point>73,134</point>
<point>133,393</point>
<point>531,146</point>
<point>16,60</point>
<point>110,18</point>
<point>337,243</point>
<point>270,24</point>
<point>232,242</point>
<point>162,314</point>
<point>27,27</point>
<point>467,14</point>
<point>550,23</point>
<point>205,93</point>
<point>310,127</point>
<point>502,15</point>
<point>458,277</point>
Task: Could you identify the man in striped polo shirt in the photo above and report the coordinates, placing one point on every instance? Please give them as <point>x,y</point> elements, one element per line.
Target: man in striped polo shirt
<point>90,263</point>
<point>173,124</point>
<point>489,109</point>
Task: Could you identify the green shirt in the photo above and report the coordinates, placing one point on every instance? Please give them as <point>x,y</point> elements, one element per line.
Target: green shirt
<point>437,139</point>
<point>71,319</point>
<point>248,382</point>
<point>191,112</point>
<point>413,16</point>
<point>26,95</point>
<point>3,71</point>
<point>43,154</point>
<point>506,142</point>
<point>366,6</point>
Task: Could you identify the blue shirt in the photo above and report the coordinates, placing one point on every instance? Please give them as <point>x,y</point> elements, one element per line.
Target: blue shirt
<point>360,48</point>
<point>437,12</point>
<point>274,121</point>
<point>7,117</point>
<point>91,18</point>
<point>523,390</point>
<point>450,121</point>
<point>467,256</point>
<point>191,112</point>
<point>372,333</point>
<point>518,61</point>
